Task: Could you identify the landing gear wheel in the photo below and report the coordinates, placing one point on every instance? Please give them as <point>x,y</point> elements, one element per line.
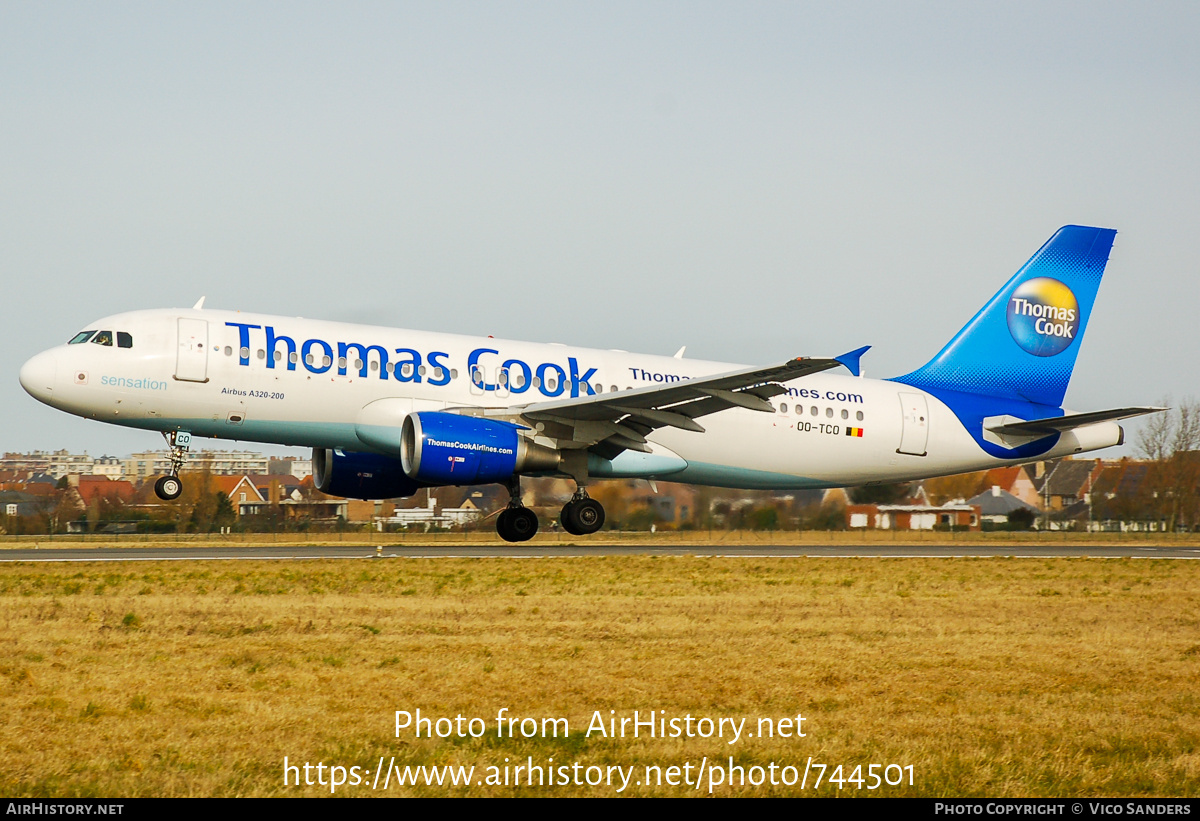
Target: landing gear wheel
<point>581,517</point>
<point>517,524</point>
<point>524,524</point>
<point>565,519</point>
<point>168,488</point>
<point>502,525</point>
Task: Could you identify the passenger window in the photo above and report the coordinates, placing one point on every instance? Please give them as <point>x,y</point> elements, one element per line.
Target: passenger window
<point>859,416</point>
<point>783,407</point>
<point>124,340</point>
<point>229,350</point>
<point>103,338</point>
<point>829,412</point>
<point>262,354</point>
<point>82,336</point>
<point>845,414</point>
<point>814,410</point>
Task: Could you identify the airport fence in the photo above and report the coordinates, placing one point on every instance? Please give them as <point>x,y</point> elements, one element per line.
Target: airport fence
<point>607,537</point>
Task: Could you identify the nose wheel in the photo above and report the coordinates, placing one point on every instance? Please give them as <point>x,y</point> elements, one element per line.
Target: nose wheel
<point>168,488</point>
<point>582,515</point>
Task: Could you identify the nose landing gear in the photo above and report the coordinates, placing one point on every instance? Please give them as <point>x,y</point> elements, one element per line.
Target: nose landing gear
<point>169,487</point>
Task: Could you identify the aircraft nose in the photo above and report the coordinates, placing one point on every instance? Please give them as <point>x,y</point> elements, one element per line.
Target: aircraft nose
<point>38,376</point>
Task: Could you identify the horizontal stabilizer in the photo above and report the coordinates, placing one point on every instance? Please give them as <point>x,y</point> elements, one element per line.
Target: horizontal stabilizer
<point>1058,424</point>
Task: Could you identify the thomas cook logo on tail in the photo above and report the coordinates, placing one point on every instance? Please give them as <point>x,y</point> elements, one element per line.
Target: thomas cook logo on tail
<point>1043,316</point>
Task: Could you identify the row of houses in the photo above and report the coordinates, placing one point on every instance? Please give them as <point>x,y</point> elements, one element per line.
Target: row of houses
<point>96,502</point>
<point>1074,494</point>
<point>138,467</point>
<point>1067,494</point>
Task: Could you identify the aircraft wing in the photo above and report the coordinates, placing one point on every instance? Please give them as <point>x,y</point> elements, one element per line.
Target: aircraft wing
<point>619,421</point>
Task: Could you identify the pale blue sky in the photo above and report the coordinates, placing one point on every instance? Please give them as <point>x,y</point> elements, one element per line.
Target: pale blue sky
<point>755,181</point>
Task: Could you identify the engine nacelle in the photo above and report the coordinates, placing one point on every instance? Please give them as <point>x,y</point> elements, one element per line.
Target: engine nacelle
<point>360,475</point>
<point>447,449</point>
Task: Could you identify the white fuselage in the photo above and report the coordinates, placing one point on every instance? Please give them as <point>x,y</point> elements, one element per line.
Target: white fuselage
<point>311,383</point>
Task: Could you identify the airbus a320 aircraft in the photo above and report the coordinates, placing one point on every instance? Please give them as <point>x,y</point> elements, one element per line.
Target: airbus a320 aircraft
<point>388,411</point>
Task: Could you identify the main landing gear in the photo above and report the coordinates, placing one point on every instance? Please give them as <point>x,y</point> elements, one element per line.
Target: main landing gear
<point>169,487</point>
<point>582,515</point>
<point>516,523</point>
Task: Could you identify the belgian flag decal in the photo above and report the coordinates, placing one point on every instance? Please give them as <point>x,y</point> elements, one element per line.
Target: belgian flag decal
<point>854,432</point>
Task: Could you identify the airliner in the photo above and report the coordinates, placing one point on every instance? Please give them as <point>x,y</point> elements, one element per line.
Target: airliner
<point>388,412</point>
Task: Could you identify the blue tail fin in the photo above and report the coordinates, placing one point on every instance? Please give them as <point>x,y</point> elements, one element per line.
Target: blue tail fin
<point>1023,343</point>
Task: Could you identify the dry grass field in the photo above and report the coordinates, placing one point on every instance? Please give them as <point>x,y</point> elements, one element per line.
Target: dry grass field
<point>1015,677</point>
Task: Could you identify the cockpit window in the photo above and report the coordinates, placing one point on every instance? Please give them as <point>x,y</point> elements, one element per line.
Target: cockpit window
<point>103,338</point>
<point>82,336</point>
<point>124,340</point>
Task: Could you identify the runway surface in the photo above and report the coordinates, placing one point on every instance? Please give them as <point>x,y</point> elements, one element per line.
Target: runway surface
<point>300,552</point>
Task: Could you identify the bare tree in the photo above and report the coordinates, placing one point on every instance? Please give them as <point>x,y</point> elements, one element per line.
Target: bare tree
<point>1171,441</point>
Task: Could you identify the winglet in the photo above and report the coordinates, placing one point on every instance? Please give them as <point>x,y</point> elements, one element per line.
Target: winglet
<point>850,360</point>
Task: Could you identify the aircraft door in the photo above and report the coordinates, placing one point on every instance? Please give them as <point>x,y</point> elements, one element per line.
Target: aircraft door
<point>191,362</point>
<point>914,434</point>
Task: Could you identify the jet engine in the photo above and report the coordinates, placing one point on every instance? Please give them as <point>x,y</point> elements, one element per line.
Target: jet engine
<point>447,449</point>
<point>360,475</point>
